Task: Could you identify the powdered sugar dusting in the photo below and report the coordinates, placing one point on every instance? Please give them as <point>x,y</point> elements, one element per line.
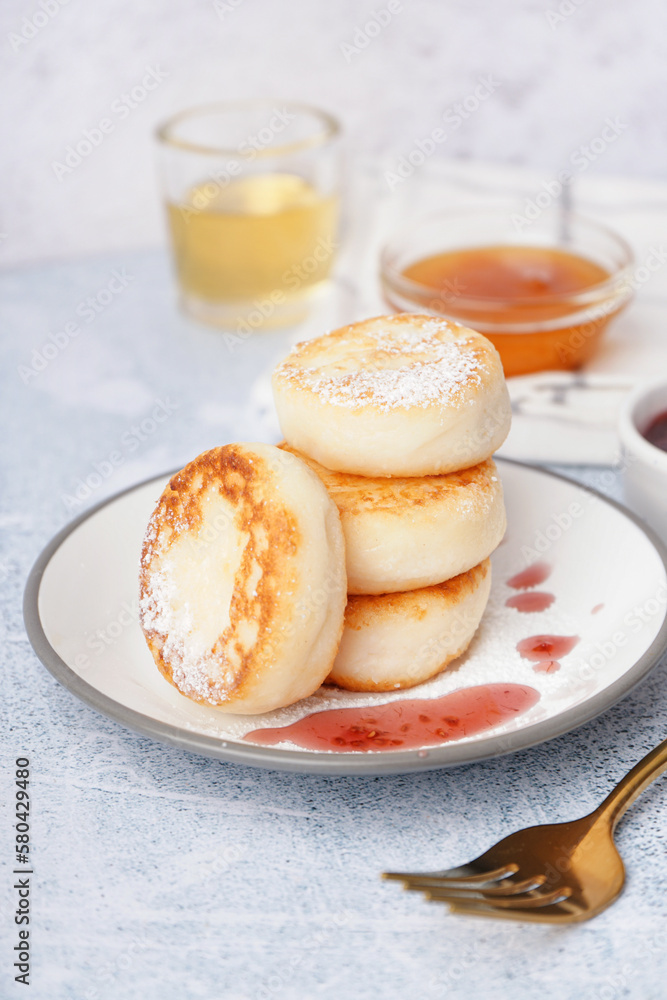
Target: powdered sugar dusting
<point>165,614</point>
<point>492,657</point>
<point>392,366</point>
<point>488,660</point>
<point>168,618</point>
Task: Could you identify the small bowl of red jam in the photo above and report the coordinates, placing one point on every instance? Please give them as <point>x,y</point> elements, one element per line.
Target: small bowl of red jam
<point>643,433</point>
<point>542,291</point>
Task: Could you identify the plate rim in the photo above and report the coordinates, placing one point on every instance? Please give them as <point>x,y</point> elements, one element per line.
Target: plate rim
<point>318,762</point>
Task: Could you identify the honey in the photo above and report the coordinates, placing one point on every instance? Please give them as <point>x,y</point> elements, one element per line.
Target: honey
<point>516,295</point>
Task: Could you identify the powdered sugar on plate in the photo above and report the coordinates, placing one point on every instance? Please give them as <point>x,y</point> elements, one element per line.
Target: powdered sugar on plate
<point>487,660</point>
<point>609,595</point>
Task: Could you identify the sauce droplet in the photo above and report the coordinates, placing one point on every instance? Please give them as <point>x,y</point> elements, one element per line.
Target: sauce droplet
<point>532,576</point>
<point>598,607</point>
<point>531,601</point>
<point>407,724</point>
<point>547,647</point>
<point>546,667</point>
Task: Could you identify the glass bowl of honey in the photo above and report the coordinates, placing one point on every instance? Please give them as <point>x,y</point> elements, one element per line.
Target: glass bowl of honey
<point>543,291</point>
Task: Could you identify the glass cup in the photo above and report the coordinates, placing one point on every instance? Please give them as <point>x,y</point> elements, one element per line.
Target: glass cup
<point>252,192</point>
<point>532,330</point>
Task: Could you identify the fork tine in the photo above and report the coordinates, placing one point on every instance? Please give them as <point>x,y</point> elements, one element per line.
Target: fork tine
<point>505,887</point>
<point>525,901</point>
<point>467,873</point>
<point>556,913</point>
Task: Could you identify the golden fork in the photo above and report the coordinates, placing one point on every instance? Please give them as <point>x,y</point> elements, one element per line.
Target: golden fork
<point>560,873</point>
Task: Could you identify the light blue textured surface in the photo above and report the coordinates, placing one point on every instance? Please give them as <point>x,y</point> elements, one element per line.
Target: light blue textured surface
<point>162,874</point>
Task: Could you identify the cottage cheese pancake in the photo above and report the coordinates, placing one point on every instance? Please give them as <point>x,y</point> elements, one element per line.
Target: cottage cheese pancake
<point>402,395</point>
<point>243,583</point>
<point>408,532</point>
<point>399,640</point>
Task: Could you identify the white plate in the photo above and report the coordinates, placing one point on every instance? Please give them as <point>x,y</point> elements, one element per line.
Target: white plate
<point>81,615</point>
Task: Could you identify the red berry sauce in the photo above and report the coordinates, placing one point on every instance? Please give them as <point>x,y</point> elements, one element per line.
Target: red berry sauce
<point>531,601</point>
<point>532,576</point>
<point>405,724</point>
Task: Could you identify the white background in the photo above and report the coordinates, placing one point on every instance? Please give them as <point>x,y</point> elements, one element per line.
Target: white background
<point>561,76</point>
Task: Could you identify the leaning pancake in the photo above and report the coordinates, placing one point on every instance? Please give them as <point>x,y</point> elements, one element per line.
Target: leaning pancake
<point>403,395</point>
<point>409,532</point>
<point>243,579</point>
<point>399,640</point>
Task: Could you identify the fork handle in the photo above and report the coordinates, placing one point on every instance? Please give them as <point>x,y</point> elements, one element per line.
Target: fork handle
<point>632,785</point>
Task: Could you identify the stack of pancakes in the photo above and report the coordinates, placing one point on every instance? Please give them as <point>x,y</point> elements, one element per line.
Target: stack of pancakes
<point>357,551</point>
<point>398,417</point>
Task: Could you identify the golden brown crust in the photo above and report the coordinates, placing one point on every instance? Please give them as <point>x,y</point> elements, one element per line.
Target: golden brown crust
<point>356,684</point>
<point>399,495</point>
<point>263,580</point>
<point>365,610</point>
<point>372,660</point>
